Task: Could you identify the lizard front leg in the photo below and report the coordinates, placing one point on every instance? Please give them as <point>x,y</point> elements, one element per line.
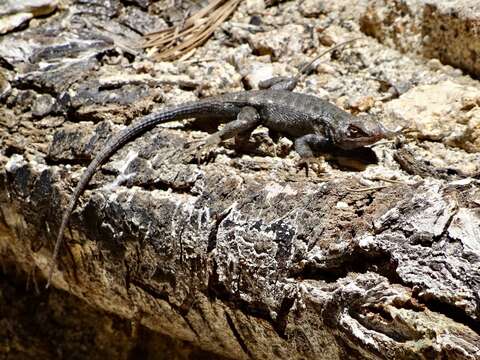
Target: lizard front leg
<point>279,83</point>
<point>305,146</point>
<point>289,83</point>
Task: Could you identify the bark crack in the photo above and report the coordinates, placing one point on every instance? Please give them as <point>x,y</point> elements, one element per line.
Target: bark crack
<point>237,335</point>
<point>212,236</point>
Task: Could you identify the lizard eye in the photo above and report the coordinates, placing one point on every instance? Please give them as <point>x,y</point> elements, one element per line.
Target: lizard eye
<point>355,132</point>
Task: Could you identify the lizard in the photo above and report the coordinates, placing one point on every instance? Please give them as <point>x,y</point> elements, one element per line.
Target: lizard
<point>314,124</point>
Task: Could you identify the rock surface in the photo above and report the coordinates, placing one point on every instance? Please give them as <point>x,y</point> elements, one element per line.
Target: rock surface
<point>443,30</point>
<point>240,256</point>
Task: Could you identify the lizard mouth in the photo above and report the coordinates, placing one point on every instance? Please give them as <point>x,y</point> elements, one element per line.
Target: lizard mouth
<point>359,142</point>
<point>378,133</point>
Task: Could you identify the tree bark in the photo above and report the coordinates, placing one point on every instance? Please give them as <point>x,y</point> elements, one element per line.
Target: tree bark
<point>240,256</point>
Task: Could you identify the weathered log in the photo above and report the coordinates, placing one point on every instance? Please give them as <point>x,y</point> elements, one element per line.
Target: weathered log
<point>240,256</point>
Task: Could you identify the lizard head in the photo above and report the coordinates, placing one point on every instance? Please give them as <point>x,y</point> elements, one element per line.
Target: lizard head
<point>359,131</point>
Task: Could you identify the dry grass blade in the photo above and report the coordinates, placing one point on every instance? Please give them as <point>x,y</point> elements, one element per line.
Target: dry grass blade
<point>177,41</point>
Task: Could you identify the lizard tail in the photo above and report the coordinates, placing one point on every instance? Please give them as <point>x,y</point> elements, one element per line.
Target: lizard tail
<point>116,142</point>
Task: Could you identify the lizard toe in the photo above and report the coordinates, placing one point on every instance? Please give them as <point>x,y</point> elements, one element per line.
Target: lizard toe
<point>314,163</point>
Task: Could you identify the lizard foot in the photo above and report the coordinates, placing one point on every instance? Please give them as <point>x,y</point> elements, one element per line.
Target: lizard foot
<point>314,163</point>
<point>194,150</point>
<point>201,148</point>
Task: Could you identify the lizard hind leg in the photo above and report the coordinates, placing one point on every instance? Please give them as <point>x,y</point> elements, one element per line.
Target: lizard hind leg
<point>247,119</point>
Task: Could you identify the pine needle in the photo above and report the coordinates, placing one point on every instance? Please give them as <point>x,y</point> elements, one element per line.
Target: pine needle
<point>182,39</point>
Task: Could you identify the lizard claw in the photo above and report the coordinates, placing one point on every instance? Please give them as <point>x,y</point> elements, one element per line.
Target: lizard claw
<point>308,163</point>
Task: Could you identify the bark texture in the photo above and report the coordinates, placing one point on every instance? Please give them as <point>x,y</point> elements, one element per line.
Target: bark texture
<point>240,256</point>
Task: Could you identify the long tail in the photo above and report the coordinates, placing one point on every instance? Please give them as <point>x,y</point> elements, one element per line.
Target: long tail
<point>116,142</point>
